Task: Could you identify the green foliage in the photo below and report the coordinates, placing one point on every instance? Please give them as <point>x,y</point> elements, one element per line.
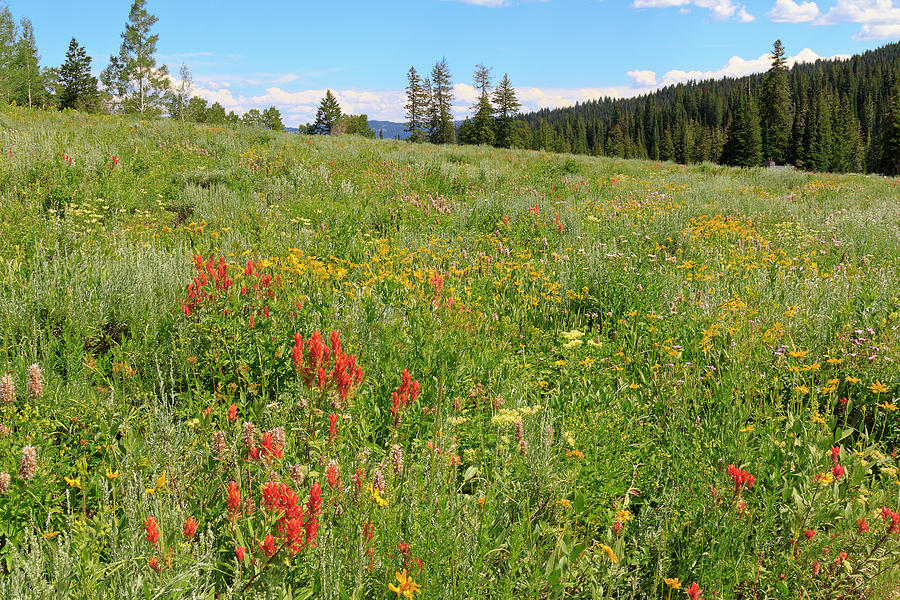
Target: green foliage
<point>132,77</point>
<point>328,113</point>
<point>743,145</point>
<point>417,100</point>
<point>775,109</point>
<point>77,88</point>
<point>440,125</point>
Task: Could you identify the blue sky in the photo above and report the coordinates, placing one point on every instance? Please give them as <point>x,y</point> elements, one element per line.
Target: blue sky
<point>556,52</point>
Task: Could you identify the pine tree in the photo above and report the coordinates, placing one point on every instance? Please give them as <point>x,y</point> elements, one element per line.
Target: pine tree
<point>442,129</point>
<point>482,124</point>
<point>416,101</point>
<point>136,83</point>
<point>890,137</point>
<point>848,147</point>
<point>775,109</point>
<point>743,143</point>
<point>506,105</point>
<point>328,113</point>
<point>819,138</point>
<point>29,87</point>
<point>77,87</point>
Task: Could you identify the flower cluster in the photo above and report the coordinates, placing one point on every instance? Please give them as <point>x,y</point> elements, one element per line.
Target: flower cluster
<point>324,368</point>
<point>407,392</point>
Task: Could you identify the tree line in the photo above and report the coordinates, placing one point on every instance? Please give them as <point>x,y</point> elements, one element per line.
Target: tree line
<point>132,83</point>
<point>831,115</point>
<point>429,103</point>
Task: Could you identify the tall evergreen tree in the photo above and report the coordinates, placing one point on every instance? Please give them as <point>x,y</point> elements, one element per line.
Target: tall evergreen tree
<point>890,137</point>
<point>416,105</point>
<point>29,81</point>
<point>133,78</point>
<point>775,109</point>
<point>743,143</point>
<point>77,88</point>
<point>506,105</point>
<point>482,124</point>
<point>442,129</point>
<point>328,113</point>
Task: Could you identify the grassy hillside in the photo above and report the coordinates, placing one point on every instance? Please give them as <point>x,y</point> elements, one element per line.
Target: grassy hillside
<point>538,375</point>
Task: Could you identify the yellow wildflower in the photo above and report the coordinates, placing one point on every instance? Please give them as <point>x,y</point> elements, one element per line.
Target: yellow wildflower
<point>576,454</point>
<point>609,552</point>
<point>888,406</point>
<point>407,587</point>
<point>673,583</point>
<point>748,428</point>
<point>852,379</point>
<point>835,361</point>
<point>564,503</point>
<point>75,483</point>
<point>112,474</point>
<point>623,516</point>
<point>878,388</point>
<point>798,353</point>
<point>377,497</point>
<point>817,418</point>
<point>801,390</point>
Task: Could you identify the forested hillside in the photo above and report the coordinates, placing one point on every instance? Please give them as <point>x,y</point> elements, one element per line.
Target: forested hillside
<point>839,115</point>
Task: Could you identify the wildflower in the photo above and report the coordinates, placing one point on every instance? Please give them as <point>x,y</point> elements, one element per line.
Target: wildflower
<point>405,585</point>
<point>7,389</point>
<point>673,583</point>
<point>234,499</point>
<point>801,390</point>
<point>609,553</point>
<point>314,505</point>
<point>270,446</point>
<point>747,429</point>
<point>248,435</point>
<point>809,533</point>
<point>332,427</point>
<point>239,552</point>
<point>5,480</point>
<point>397,459</point>
<point>153,563</point>
<point>835,453</point>
<point>28,462</point>
<point>376,496</point>
<point>152,530</point>
<point>837,470</point>
<point>75,483</point>
<point>863,526</point>
<point>694,592</point>
<point>798,353</point>
<point>576,454</point>
<point>617,527</point>
<point>268,546</point>
<point>378,480</point>
<point>850,379</point>
<point>368,531</point>
<point>878,388</point>
<point>190,528</point>
<point>817,418</point>
<point>5,431</point>
<point>232,412</point>
<point>218,444</point>
<point>740,478</point>
<point>564,503</point>
<point>403,548</point>
<point>35,381</point>
<point>624,516</point>
<point>333,473</point>
<point>297,475</point>
<point>888,406</point>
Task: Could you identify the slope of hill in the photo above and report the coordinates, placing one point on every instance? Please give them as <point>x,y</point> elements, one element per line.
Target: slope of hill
<point>839,110</point>
<point>255,364</point>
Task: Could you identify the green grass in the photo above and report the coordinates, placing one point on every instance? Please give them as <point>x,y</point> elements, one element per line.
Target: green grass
<point>596,341</point>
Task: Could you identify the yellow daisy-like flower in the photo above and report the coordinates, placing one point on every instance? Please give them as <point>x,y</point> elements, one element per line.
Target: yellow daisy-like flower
<point>878,388</point>
<point>851,379</point>
<point>673,583</point>
<point>377,497</point>
<point>576,454</point>
<point>405,585</point>
<point>801,389</point>
<point>564,503</point>
<point>75,483</point>
<point>835,361</point>
<point>634,386</point>
<point>817,418</point>
<point>888,406</point>
<point>609,553</point>
<point>747,429</point>
<point>798,353</point>
<point>623,516</point>
<point>112,474</point>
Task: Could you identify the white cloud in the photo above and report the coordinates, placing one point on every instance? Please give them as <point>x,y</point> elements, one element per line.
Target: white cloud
<point>719,10</point>
<point>643,78</point>
<point>878,19</point>
<point>788,11</point>
<point>738,67</point>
